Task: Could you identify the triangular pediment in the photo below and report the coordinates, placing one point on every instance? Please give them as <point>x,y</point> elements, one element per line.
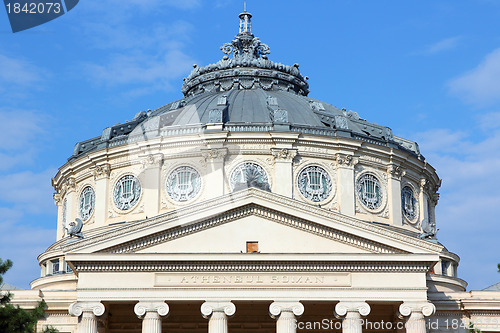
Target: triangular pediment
<point>225,224</point>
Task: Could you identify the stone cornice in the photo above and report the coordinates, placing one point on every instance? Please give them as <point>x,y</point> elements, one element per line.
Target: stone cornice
<point>250,266</point>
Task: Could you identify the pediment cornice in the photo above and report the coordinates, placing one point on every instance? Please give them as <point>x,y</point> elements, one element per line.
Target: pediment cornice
<point>194,218</point>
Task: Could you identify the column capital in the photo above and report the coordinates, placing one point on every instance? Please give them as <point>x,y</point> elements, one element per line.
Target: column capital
<point>395,171</point>
<point>214,154</point>
<point>426,308</point>
<point>151,160</point>
<point>283,154</point>
<point>101,171</point>
<point>143,307</point>
<point>77,308</point>
<point>276,308</point>
<point>346,160</point>
<point>343,307</point>
<point>208,308</point>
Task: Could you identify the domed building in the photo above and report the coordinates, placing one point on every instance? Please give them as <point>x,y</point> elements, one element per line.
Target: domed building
<point>249,206</point>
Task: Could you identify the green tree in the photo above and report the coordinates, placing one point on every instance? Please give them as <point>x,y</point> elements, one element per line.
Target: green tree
<point>472,329</point>
<point>13,319</point>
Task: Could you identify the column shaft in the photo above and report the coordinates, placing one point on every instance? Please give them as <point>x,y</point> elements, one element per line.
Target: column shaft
<point>416,323</point>
<point>217,322</point>
<point>352,322</point>
<point>286,322</point>
<point>151,322</point>
<point>88,323</point>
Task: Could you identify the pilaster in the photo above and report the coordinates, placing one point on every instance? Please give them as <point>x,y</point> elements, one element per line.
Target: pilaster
<point>395,173</point>
<point>151,183</point>
<point>69,194</point>
<point>214,159</point>
<point>345,183</point>
<point>283,170</point>
<point>101,177</point>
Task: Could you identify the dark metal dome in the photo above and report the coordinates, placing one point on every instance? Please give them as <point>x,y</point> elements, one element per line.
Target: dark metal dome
<point>246,93</point>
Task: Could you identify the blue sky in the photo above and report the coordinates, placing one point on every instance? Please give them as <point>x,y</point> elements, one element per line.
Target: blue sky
<point>430,70</point>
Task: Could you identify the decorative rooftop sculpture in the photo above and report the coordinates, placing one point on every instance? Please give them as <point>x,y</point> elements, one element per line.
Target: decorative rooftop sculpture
<point>249,68</point>
<point>429,230</point>
<point>75,228</point>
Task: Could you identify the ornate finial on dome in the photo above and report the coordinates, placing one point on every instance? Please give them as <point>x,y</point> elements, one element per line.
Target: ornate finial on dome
<point>246,46</point>
<point>245,21</point>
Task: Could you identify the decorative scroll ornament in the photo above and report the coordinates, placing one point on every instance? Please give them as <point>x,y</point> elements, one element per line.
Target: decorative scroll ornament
<point>426,308</point>
<point>276,308</point>
<point>208,308</point>
<point>142,308</point>
<point>395,171</point>
<point>78,308</point>
<point>342,308</point>
<point>246,47</point>
<point>101,171</point>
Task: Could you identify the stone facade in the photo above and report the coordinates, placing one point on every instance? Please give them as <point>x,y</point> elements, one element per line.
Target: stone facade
<point>219,225</point>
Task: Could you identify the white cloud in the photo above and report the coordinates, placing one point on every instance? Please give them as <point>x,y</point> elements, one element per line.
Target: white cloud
<point>28,191</point>
<point>489,121</point>
<point>21,134</point>
<point>22,244</point>
<point>441,46</point>
<point>469,169</point>
<point>146,59</point>
<point>480,86</point>
<point>18,71</point>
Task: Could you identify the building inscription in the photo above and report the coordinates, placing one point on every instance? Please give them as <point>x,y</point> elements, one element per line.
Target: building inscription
<point>252,280</point>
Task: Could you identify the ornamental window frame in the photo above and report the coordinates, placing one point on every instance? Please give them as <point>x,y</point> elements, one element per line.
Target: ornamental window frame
<point>80,197</point>
<point>132,206</point>
<point>245,162</point>
<point>416,195</point>
<point>171,171</point>
<point>382,181</point>
<point>333,184</point>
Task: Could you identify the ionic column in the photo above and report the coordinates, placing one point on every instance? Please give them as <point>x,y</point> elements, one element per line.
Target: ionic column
<point>352,312</point>
<point>217,314</point>
<point>286,313</point>
<point>417,311</point>
<point>151,313</point>
<point>89,312</point>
